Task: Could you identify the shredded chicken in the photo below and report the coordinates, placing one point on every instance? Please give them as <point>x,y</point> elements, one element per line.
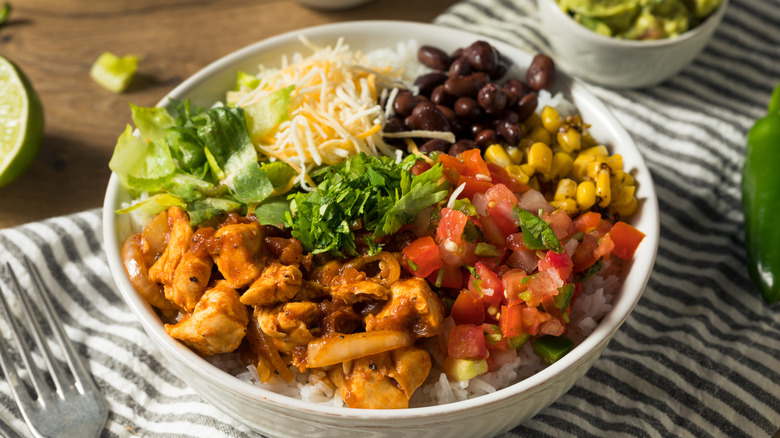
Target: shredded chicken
<point>237,254</point>
<point>277,284</point>
<point>162,271</point>
<point>413,306</point>
<point>216,325</point>
<point>382,381</point>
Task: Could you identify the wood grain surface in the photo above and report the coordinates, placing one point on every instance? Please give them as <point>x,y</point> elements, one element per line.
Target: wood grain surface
<point>55,42</point>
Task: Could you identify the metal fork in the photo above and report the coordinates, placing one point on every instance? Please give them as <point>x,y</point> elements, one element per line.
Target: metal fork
<point>74,407</point>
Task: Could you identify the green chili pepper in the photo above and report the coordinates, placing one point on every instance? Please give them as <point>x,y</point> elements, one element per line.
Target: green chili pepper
<point>551,348</point>
<point>761,200</point>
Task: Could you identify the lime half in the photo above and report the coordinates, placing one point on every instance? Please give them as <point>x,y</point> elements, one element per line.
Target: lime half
<point>21,122</point>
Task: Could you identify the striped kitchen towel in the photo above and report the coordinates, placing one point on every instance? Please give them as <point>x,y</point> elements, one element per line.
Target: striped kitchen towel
<point>700,354</point>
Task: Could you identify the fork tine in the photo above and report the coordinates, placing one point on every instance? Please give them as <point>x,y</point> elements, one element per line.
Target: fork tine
<point>54,368</point>
<point>81,376</point>
<point>18,389</point>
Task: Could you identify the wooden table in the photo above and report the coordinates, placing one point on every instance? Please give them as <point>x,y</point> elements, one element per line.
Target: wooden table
<point>56,41</point>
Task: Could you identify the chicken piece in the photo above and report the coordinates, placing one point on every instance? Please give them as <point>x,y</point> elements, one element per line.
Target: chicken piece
<point>216,325</point>
<point>190,280</point>
<point>236,251</point>
<point>162,271</point>
<point>277,284</point>
<point>412,307</point>
<point>352,286</point>
<point>382,381</point>
<point>287,325</point>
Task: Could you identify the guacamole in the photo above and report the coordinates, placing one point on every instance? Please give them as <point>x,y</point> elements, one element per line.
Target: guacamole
<point>639,19</point>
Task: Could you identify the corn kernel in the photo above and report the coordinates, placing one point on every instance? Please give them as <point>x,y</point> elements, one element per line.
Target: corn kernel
<point>615,162</point>
<point>603,192</point>
<point>622,195</point>
<point>532,121</point>
<point>569,206</point>
<point>528,169</point>
<point>534,184</point>
<point>518,172</point>
<point>540,135</point>
<point>551,120</point>
<point>540,157</point>
<point>586,195</point>
<point>497,155</point>
<point>569,140</point>
<point>587,140</point>
<point>623,178</point>
<point>579,167</point>
<point>515,154</point>
<point>595,151</point>
<point>594,167</point>
<point>626,210</point>
<point>561,166</point>
<point>567,189</point>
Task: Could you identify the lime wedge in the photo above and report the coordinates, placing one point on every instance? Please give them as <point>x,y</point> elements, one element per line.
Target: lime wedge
<point>21,122</point>
<point>114,72</point>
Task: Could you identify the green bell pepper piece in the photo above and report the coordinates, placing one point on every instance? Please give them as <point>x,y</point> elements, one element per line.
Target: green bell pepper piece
<point>761,199</point>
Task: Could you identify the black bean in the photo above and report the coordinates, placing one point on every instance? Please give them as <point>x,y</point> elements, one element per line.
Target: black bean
<point>482,56</point>
<point>462,146</point>
<point>516,88</point>
<point>541,72</point>
<point>509,131</point>
<point>476,128</point>
<point>434,145</point>
<point>394,124</point>
<point>486,138</point>
<point>427,82</point>
<point>526,106</point>
<point>434,58</point>
<point>404,103</point>
<point>427,117</point>
<point>460,67</point>
<point>492,98</point>
<point>499,72</point>
<point>466,86</point>
<point>439,96</point>
<point>467,108</point>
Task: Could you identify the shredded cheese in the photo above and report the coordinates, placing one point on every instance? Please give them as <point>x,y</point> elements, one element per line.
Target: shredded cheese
<point>335,111</point>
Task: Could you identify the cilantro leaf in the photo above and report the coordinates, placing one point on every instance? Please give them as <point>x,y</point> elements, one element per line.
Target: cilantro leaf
<point>537,233</point>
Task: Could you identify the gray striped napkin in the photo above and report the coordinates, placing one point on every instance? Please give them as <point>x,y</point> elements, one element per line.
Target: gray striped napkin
<point>700,354</point>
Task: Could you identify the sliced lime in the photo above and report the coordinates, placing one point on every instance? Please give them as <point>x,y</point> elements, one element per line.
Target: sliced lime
<point>114,72</point>
<point>21,122</point>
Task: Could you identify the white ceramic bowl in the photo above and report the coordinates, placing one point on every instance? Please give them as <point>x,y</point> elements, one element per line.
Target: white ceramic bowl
<point>620,63</point>
<point>277,415</point>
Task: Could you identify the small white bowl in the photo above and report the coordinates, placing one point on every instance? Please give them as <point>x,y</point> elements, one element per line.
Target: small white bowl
<point>618,63</point>
<point>277,415</point>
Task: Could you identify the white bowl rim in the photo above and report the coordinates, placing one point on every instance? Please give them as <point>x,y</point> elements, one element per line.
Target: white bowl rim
<point>712,20</point>
<point>622,307</point>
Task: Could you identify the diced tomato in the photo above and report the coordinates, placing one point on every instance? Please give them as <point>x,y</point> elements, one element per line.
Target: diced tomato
<point>475,165</point>
<point>467,342</point>
<point>603,228</point>
<point>552,327</point>
<point>492,231</point>
<point>513,285</point>
<point>540,285</point>
<point>512,320</point>
<point>500,207</point>
<point>452,167</point>
<point>447,276</point>
<point>548,304</point>
<point>451,225</point>
<point>533,319</point>
<point>486,285</point>
<point>457,254</point>
<point>626,239</point>
<point>606,245</point>
<point>419,167</point>
<point>468,309</point>
<point>501,176</point>
<point>561,224</point>
<point>587,222</point>
<point>473,186</point>
<point>492,263</point>
<point>423,256</point>
<point>560,262</point>
<point>585,255</point>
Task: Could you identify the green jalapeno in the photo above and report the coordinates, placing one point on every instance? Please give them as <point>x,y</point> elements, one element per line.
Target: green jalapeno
<point>761,201</point>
